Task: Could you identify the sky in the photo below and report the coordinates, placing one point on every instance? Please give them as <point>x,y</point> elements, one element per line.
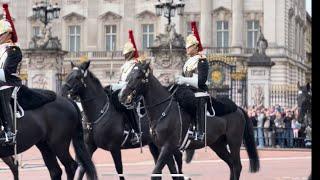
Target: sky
<point>308,6</point>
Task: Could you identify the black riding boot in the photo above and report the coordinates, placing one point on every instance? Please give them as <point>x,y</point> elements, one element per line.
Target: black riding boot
<point>200,129</point>
<point>6,116</point>
<point>135,129</point>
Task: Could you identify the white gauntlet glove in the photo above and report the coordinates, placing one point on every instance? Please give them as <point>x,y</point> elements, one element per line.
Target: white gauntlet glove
<point>118,86</point>
<point>192,81</point>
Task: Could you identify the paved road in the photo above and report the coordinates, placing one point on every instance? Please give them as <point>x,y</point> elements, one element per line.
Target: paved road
<point>275,165</point>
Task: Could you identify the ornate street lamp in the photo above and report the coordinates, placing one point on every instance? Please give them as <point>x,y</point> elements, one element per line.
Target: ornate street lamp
<point>45,12</point>
<point>169,8</point>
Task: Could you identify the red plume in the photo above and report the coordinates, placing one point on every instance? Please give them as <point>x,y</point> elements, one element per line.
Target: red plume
<point>136,55</point>
<point>196,34</point>
<point>8,17</point>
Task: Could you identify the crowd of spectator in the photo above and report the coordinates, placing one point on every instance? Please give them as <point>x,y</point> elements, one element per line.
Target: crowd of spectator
<point>276,127</point>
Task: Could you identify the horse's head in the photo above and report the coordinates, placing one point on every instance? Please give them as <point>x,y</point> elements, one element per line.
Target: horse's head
<point>75,81</point>
<point>304,101</point>
<point>136,82</point>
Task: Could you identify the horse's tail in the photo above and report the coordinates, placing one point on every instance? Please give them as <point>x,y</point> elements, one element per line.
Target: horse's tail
<point>250,144</point>
<point>189,155</point>
<point>82,154</point>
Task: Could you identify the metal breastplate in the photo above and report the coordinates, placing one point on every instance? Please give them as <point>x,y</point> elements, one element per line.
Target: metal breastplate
<point>3,54</point>
<point>126,69</point>
<point>191,66</point>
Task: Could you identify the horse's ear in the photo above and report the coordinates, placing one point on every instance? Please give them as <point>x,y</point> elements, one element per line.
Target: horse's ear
<point>72,65</point>
<point>308,87</point>
<point>146,65</point>
<point>85,65</point>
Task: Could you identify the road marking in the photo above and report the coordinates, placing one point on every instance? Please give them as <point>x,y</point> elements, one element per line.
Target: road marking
<point>6,169</point>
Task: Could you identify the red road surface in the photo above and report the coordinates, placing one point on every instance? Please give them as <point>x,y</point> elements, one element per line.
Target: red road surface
<point>275,165</point>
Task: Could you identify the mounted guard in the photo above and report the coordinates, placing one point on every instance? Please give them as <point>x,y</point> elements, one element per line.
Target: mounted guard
<point>130,53</point>
<point>10,57</point>
<point>192,93</point>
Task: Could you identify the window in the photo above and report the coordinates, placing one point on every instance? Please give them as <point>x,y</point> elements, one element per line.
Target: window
<point>253,28</point>
<point>35,31</point>
<point>147,35</point>
<point>222,34</point>
<point>111,37</point>
<point>189,30</point>
<point>74,38</point>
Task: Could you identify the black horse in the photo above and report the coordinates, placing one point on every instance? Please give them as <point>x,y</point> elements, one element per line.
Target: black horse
<point>13,167</point>
<point>51,128</point>
<point>106,124</point>
<point>305,105</point>
<point>305,110</point>
<point>169,124</point>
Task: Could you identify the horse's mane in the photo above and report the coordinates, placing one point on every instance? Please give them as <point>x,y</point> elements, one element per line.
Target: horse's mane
<point>94,78</point>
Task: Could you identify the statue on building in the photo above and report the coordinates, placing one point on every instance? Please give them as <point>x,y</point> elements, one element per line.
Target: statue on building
<point>170,39</point>
<point>45,40</point>
<point>262,43</point>
<point>258,96</point>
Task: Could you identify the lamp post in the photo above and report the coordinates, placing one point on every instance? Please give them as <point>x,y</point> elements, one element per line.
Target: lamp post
<point>45,12</point>
<point>169,8</point>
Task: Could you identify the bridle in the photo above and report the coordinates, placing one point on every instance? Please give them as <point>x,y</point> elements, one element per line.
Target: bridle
<point>105,108</point>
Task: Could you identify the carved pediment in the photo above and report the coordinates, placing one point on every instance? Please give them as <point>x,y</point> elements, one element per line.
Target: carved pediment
<point>146,14</point>
<point>221,9</point>
<point>73,16</point>
<point>110,16</point>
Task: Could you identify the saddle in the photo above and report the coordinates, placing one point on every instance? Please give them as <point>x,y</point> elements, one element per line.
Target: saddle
<point>30,99</point>
<point>222,105</point>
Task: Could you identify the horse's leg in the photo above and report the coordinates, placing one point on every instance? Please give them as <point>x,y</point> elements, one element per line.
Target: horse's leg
<point>154,152</point>
<point>223,153</point>
<point>91,149</point>
<point>165,155</point>
<point>178,159</point>
<point>51,161</point>
<point>171,163</point>
<point>13,167</point>
<point>236,159</point>
<point>116,156</point>
<point>70,165</point>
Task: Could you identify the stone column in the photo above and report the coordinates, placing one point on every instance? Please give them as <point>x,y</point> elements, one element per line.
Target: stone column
<point>259,81</point>
<point>44,67</point>
<point>206,23</point>
<point>237,25</point>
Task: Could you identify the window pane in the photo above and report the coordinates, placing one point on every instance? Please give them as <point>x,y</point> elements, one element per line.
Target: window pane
<point>219,39</point>
<point>114,28</point>
<point>150,40</point>
<point>145,28</point>
<point>151,28</point>
<point>256,24</point>
<point>219,25</point>
<point>226,39</point>
<point>249,24</point>
<point>71,43</point>
<point>78,29</point>
<point>249,40</point>
<point>108,44</point>
<point>225,23</point>
<point>107,29</point>
<point>78,43</point>
<point>114,42</point>
<point>71,30</point>
<point>145,41</point>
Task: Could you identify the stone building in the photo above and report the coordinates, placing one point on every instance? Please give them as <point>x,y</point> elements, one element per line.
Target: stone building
<point>98,29</point>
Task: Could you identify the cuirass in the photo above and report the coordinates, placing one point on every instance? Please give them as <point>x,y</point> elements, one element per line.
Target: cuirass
<point>191,66</point>
<point>126,69</point>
